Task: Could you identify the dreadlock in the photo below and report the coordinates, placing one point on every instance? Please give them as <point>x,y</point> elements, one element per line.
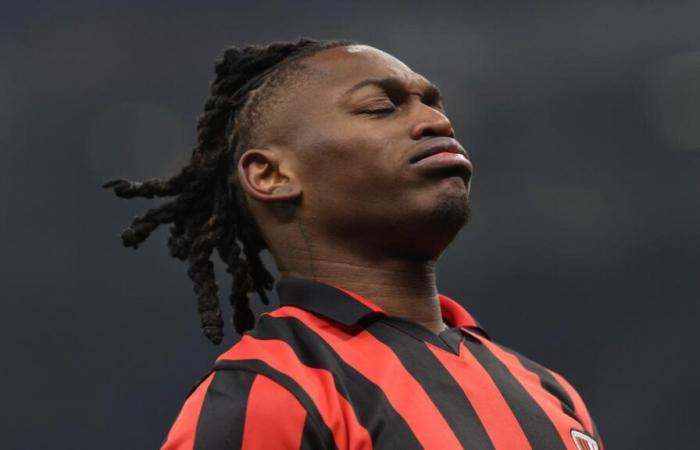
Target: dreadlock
<point>208,212</point>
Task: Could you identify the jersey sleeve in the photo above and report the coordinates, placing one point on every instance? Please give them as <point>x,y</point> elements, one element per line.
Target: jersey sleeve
<point>579,407</point>
<point>236,409</point>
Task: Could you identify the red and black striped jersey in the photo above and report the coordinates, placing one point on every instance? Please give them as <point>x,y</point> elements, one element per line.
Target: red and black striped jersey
<point>329,369</point>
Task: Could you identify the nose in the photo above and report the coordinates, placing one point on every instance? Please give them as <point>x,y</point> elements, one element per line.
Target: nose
<point>432,122</point>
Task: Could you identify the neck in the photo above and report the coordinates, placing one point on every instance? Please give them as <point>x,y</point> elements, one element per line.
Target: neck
<point>401,287</point>
<point>395,269</point>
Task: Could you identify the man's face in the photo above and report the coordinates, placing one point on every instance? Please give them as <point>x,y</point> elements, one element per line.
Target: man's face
<point>352,144</point>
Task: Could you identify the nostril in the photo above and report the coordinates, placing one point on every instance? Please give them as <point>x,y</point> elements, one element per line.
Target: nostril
<point>435,127</point>
<point>429,132</point>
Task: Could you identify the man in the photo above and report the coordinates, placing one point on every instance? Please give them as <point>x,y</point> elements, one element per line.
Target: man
<point>341,161</point>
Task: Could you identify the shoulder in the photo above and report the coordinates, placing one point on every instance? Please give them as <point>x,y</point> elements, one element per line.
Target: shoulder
<point>557,385</point>
<point>231,406</point>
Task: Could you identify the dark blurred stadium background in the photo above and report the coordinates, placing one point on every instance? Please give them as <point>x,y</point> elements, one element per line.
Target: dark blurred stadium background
<point>583,122</point>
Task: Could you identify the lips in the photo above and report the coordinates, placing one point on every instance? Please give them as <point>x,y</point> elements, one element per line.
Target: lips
<point>438,145</point>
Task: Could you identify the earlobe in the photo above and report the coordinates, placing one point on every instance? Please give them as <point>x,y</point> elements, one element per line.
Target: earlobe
<point>262,175</point>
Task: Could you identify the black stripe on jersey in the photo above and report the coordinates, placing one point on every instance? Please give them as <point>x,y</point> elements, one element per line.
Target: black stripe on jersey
<point>221,419</point>
<point>196,385</point>
<point>371,406</point>
<point>438,384</point>
<point>550,384</point>
<point>257,366</point>
<point>309,437</point>
<point>447,340</point>
<point>539,430</point>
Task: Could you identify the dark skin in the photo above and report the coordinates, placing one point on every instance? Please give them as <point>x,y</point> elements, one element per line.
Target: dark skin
<point>331,188</point>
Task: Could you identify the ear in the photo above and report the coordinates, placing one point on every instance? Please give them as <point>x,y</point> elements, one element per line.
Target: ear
<point>264,176</point>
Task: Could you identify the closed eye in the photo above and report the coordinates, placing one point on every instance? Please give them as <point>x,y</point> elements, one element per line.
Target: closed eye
<point>390,108</point>
<point>380,111</point>
<point>380,108</point>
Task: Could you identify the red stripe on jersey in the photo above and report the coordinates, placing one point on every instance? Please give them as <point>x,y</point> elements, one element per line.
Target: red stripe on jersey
<point>181,435</point>
<point>288,426</point>
<point>531,383</point>
<point>362,351</point>
<point>579,406</point>
<point>488,402</point>
<point>335,410</point>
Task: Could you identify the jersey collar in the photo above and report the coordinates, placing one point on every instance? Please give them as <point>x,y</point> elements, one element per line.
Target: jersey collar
<point>349,308</point>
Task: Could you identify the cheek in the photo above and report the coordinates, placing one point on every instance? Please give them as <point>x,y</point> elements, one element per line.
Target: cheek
<point>355,166</point>
<point>348,166</point>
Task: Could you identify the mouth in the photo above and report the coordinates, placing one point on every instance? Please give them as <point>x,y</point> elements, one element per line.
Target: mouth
<point>442,152</point>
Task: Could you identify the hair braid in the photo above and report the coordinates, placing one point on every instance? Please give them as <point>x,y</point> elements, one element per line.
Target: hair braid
<point>208,212</point>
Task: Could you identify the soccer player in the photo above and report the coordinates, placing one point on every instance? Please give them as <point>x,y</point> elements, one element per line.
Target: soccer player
<point>341,161</point>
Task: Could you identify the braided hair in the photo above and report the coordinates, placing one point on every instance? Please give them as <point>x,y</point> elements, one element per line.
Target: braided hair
<point>208,212</point>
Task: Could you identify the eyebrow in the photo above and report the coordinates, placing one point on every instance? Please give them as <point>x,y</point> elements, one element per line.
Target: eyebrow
<point>391,84</point>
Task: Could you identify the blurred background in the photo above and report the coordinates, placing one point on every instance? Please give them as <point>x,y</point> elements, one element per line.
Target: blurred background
<point>583,122</point>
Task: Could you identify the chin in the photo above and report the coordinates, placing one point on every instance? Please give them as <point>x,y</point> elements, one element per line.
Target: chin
<point>451,212</point>
<point>450,207</point>
<point>437,226</point>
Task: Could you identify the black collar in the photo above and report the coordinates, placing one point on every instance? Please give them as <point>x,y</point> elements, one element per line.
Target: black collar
<point>326,300</point>
<point>349,308</point>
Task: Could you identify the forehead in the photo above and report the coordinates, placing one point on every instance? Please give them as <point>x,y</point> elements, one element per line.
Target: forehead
<point>315,93</point>
<point>344,66</point>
